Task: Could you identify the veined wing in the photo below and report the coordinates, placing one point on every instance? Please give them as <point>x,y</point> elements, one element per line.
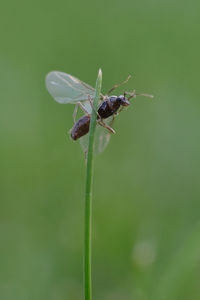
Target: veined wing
<point>102,137</point>
<point>65,88</point>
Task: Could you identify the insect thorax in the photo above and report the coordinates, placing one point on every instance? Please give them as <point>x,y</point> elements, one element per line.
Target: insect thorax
<point>109,106</point>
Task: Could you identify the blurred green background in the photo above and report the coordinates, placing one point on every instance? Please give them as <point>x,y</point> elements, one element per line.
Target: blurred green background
<point>146,225</point>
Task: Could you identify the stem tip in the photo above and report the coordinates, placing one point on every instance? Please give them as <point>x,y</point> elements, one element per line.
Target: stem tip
<point>100,73</point>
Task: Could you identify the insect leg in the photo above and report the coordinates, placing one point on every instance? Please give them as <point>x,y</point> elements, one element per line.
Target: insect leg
<point>83,108</point>
<point>110,129</point>
<point>75,112</point>
<point>93,107</point>
<point>117,85</point>
<point>120,110</point>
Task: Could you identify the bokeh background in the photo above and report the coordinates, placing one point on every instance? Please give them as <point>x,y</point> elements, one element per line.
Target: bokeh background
<point>146,206</point>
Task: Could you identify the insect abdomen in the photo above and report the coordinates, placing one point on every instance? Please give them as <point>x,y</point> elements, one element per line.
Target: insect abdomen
<point>80,128</point>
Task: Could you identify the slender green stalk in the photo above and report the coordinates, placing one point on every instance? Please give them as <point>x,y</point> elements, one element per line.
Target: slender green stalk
<point>88,194</point>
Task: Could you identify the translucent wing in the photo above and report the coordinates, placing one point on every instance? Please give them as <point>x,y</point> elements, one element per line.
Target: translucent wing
<point>102,137</point>
<point>65,88</point>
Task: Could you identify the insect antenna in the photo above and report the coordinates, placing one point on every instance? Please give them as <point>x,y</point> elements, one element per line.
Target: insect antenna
<point>145,95</point>
<point>133,95</point>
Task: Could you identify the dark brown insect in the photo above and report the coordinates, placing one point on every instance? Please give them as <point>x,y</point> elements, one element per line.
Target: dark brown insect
<point>66,88</point>
<point>109,107</point>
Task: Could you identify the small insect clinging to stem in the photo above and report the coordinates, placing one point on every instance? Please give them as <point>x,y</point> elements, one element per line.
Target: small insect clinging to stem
<point>66,88</point>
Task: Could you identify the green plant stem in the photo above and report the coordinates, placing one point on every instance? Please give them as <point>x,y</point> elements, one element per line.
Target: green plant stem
<point>88,194</point>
